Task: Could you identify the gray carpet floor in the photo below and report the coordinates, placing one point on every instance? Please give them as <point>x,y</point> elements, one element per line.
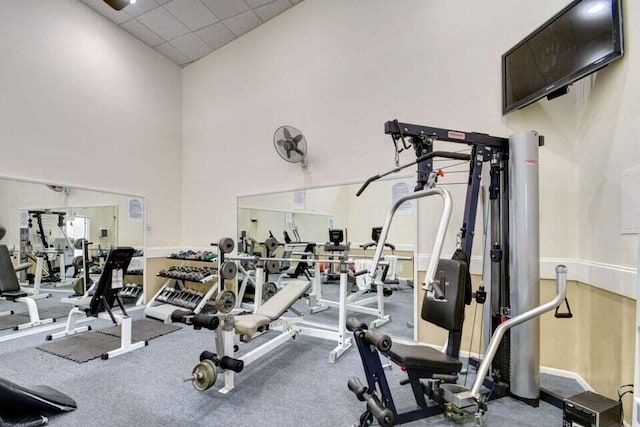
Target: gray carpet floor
<point>292,386</point>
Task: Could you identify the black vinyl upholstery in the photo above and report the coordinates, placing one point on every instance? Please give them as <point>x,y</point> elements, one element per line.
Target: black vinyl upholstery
<point>118,259</point>
<point>423,357</point>
<point>22,406</point>
<point>9,285</point>
<point>448,315</point>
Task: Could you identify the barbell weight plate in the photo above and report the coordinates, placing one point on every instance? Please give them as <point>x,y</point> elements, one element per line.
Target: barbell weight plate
<point>205,375</point>
<point>78,243</point>
<point>228,270</point>
<point>272,266</point>
<point>271,244</point>
<point>226,245</point>
<point>226,301</point>
<point>269,289</point>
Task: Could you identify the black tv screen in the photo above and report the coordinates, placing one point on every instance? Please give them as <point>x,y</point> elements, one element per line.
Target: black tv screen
<point>582,38</point>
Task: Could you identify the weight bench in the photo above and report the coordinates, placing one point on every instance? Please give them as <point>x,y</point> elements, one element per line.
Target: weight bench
<point>227,327</point>
<point>10,291</point>
<point>101,303</point>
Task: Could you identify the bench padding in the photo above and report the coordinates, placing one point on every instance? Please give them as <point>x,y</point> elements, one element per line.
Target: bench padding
<point>249,324</point>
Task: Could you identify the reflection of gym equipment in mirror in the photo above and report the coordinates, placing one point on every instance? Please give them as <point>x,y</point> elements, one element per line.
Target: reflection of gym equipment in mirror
<point>337,247</point>
<point>511,362</point>
<point>391,273</point>
<point>49,255</point>
<point>11,291</point>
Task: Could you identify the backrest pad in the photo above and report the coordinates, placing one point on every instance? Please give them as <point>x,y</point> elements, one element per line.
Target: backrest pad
<point>118,258</point>
<point>450,314</point>
<point>8,279</point>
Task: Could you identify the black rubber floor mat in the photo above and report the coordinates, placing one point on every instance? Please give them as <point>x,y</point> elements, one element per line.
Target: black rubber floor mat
<point>143,330</point>
<point>82,347</point>
<point>12,320</point>
<point>55,312</point>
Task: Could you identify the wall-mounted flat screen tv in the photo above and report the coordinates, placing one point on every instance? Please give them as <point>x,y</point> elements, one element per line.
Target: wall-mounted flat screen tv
<point>582,38</point>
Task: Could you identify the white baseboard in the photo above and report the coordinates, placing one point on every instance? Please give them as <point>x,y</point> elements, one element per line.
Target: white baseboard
<point>567,374</point>
<point>612,278</point>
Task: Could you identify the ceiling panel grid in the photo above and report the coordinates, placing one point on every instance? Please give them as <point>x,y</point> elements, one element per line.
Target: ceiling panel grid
<point>186,30</point>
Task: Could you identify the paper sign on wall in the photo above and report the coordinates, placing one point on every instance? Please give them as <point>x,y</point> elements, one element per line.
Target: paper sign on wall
<point>298,200</point>
<point>288,218</point>
<point>399,189</point>
<point>24,219</point>
<point>135,209</point>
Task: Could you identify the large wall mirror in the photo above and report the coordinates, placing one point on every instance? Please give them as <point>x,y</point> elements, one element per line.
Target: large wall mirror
<point>46,226</point>
<point>307,216</point>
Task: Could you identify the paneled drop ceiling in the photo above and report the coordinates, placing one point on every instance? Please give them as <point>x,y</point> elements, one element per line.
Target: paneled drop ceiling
<point>186,30</point>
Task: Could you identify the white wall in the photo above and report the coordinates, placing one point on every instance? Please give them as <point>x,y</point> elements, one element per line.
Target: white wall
<point>84,103</point>
<point>337,70</point>
<point>608,143</point>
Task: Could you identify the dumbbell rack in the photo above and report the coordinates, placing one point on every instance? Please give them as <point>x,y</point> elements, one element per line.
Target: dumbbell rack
<point>173,287</point>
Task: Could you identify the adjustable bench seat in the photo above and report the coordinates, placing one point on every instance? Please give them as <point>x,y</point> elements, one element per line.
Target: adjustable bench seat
<point>423,357</point>
<point>13,295</point>
<point>10,290</point>
<point>249,324</point>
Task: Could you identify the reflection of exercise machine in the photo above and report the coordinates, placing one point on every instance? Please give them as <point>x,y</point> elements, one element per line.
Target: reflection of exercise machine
<point>10,291</point>
<point>511,363</point>
<point>51,273</point>
<point>391,269</point>
<point>101,303</point>
<point>336,247</point>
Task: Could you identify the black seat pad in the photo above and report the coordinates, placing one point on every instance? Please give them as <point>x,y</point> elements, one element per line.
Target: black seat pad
<point>11,295</point>
<point>18,401</point>
<point>423,357</point>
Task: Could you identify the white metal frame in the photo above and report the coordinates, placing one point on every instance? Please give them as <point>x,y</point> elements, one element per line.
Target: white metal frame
<point>351,302</point>
<point>34,316</point>
<point>76,314</point>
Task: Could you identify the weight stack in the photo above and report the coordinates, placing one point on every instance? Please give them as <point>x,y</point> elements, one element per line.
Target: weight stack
<point>524,264</point>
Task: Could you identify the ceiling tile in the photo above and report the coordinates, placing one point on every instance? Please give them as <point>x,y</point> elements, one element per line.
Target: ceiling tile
<point>192,13</point>
<point>270,10</point>
<point>224,9</point>
<point>143,33</point>
<point>140,7</point>
<point>173,54</point>
<point>243,23</point>
<point>191,45</point>
<point>257,3</point>
<point>163,23</point>
<point>215,35</point>
<point>103,9</point>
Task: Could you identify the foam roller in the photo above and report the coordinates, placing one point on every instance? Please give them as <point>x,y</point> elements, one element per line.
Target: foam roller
<point>205,321</point>
<point>381,341</point>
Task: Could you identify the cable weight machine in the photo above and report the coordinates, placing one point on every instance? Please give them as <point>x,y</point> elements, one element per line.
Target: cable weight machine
<point>512,284</point>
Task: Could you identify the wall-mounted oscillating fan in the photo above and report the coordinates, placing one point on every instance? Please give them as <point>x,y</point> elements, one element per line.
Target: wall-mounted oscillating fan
<point>291,145</point>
